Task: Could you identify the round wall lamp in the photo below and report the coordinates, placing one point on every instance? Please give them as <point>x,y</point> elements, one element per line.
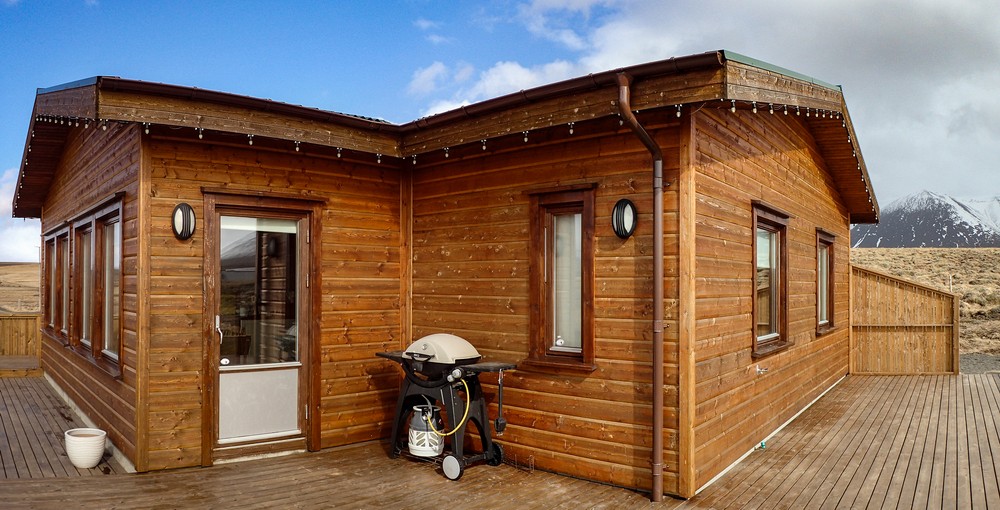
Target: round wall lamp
<point>183,221</point>
<point>623,218</point>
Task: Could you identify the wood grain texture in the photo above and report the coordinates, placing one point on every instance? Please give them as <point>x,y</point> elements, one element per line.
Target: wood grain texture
<point>744,157</point>
<point>901,327</point>
<point>357,240</point>
<point>97,164</point>
<point>470,278</point>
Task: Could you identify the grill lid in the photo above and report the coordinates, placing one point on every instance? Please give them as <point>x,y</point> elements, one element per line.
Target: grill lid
<point>442,348</point>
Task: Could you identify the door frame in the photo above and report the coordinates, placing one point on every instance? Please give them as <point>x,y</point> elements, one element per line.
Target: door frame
<point>252,203</point>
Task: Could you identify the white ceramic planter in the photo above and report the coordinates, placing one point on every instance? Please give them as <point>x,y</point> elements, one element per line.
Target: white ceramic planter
<point>85,447</point>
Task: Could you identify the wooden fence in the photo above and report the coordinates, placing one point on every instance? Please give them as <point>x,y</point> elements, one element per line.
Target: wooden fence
<point>901,327</point>
<point>20,344</point>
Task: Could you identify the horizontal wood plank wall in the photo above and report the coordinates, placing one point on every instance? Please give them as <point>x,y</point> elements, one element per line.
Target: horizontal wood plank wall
<point>95,165</point>
<point>19,334</point>
<point>471,278</point>
<point>744,157</point>
<point>902,327</point>
<point>360,287</point>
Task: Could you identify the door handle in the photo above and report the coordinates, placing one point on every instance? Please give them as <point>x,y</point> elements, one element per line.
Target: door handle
<point>218,328</point>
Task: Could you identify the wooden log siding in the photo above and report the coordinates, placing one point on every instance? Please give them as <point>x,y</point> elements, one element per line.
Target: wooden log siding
<point>739,158</point>
<point>470,278</point>
<point>901,327</point>
<point>360,287</point>
<point>95,165</point>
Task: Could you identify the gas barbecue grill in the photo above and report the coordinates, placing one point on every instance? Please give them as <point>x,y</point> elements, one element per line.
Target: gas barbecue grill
<point>436,368</point>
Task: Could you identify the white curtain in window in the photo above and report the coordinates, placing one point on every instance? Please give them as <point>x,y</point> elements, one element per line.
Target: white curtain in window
<point>567,284</point>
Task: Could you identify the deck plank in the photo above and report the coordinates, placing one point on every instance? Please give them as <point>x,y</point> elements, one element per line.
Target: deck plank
<point>31,432</point>
<point>902,484</point>
<point>873,441</point>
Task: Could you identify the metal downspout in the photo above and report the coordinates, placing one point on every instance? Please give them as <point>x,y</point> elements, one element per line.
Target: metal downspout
<point>625,108</point>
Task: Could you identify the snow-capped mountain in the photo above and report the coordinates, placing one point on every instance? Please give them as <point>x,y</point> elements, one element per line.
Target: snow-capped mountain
<point>934,221</point>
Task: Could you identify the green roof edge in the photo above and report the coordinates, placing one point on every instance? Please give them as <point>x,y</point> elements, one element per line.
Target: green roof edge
<point>743,59</point>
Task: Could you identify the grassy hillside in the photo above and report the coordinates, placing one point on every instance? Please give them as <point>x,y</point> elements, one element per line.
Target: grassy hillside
<point>973,273</point>
<point>18,287</point>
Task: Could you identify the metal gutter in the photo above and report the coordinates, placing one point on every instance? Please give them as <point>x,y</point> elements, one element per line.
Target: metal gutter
<point>625,108</point>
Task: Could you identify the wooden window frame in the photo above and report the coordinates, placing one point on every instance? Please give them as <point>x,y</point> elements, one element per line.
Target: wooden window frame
<point>81,300</point>
<point>827,240</point>
<point>543,204</point>
<point>57,284</point>
<point>48,305</point>
<point>774,220</point>
<point>70,334</point>
<point>100,287</point>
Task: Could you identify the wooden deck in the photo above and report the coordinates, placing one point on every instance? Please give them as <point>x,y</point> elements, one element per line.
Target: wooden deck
<point>32,422</point>
<point>874,441</point>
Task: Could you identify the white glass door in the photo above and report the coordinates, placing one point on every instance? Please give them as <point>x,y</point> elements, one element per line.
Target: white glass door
<point>256,325</point>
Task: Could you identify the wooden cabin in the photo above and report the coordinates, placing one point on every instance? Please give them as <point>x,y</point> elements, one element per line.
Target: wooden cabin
<point>219,270</point>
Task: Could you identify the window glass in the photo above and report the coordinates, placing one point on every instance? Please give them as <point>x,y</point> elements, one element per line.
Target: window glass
<point>767,283</point>
<point>823,285</point>
<point>53,282</point>
<point>86,272</point>
<point>112,287</point>
<point>258,263</point>
<point>567,282</point>
<point>63,307</point>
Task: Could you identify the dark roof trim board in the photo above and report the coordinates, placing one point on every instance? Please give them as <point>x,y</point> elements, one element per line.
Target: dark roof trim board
<point>730,77</point>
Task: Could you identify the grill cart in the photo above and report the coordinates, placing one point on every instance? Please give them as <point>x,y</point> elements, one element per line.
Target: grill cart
<point>436,368</point>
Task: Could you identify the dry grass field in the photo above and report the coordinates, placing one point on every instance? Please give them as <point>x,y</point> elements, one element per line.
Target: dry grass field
<point>18,287</point>
<point>972,273</point>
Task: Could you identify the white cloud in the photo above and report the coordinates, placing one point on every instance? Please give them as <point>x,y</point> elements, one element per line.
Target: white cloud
<point>918,75</point>
<point>426,24</point>
<point>553,19</point>
<point>438,39</point>
<point>427,79</point>
<point>501,79</point>
<point>20,237</point>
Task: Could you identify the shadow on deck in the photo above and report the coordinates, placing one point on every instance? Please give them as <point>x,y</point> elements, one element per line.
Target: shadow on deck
<point>875,441</point>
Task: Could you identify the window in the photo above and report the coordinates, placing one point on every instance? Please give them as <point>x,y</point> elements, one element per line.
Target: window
<point>111,267</point>
<point>62,300</point>
<point>562,279</point>
<point>824,281</point>
<point>51,283</point>
<point>94,261</point>
<point>56,290</point>
<point>770,278</point>
<point>85,286</point>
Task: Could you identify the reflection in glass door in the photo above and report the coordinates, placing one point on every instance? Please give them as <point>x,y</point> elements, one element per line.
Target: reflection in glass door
<point>256,323</point>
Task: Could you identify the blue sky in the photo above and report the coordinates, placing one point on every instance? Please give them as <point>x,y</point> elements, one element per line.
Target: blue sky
<point>919,75</point>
